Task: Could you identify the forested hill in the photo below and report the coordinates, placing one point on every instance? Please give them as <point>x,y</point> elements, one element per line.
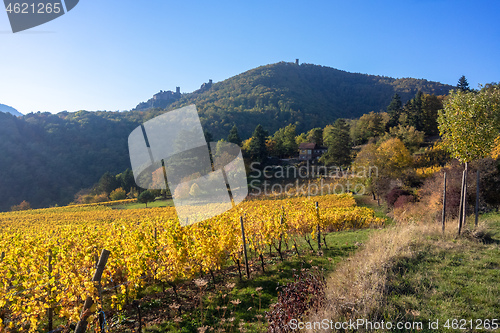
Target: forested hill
<point>306,95</point>
<point>45,159</point>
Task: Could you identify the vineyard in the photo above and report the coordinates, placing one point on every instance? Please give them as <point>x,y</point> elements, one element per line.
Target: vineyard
<point>48,256</point>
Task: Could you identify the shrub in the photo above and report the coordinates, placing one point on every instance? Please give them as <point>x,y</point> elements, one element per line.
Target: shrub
<point>25,205</point>
<point>394,194</point>
<point>297,299</point>
<point>404,200</point>
<point>118,194</point>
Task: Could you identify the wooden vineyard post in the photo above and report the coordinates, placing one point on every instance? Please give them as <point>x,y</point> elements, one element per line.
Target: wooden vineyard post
<point>464,215</point>
<point>460,213</point>
<point>244,247</point>
<point>477,199</point>
<point>443,218</point>
<point>50,310</point>
<point>82,324</point>
<point>2,256</point>
<point>319,229</point>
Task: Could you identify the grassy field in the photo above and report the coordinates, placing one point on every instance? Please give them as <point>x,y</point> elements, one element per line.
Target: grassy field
<point>413,274</point>
<point>449,279</point>
<point>157,203</point>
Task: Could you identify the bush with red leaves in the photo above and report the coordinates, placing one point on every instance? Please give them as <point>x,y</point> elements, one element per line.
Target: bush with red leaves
<point>296,299</point>
<point>404,200</point>
<point>394,194</point>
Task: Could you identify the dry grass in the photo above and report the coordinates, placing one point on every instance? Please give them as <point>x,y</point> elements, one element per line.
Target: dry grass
<point>357,288</point>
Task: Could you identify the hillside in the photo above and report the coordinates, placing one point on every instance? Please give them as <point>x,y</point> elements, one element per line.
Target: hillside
<point>8,109</point>
<point>45,159</point>
<point>306,95</point>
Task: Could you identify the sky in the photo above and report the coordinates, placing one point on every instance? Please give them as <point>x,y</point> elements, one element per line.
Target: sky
<point>112,55</point>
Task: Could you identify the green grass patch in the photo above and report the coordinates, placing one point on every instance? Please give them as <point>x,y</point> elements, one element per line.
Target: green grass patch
<point>449,279</point>
<point>136,205</point>
<point>380,208</point>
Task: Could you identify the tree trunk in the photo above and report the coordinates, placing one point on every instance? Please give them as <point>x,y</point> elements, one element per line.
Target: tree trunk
<point>443,218</point>
<point>460,210</point>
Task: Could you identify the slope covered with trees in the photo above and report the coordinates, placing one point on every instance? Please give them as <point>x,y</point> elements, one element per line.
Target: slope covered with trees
<point>305,95</point>
<point>46,159</point>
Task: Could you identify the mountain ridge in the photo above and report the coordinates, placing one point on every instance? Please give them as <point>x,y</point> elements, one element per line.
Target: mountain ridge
<point>9,109</point>
<point>47,158</point>
<point>306,95</point>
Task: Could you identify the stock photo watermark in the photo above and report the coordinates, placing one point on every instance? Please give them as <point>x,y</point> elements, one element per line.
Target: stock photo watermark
<point>307,180</point>
<point>27,14</point>
<point>205,179</point>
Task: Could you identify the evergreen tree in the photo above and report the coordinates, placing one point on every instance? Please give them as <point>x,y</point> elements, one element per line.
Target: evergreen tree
<point>412,112</point>
<point>394,109</point>
<point>257,147</point>
<point>338,141</point>
<point>208,136</point>
<point>233,136</point>
<point>431,104</point>
<point>107,184</point>
<point>126,180</point>
<point>462,84</point>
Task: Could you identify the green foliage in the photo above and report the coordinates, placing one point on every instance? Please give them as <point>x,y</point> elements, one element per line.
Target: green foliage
<point>208,136</point>
<point>257,147</point>
<point>302,138</point>
<point>284,142</point>
<point>48,158</point>
<point>315,135</point>
<point>126,180</point>
<point>412,112</point>
<point>337,140</point>
<point>146,196</point>
<point>463,84</point>
<point>394,109</point>
<point>233,136</point>
<point>469,123</point>
<point>431,104</point>
<point>308,96</point>
<point>383,165</point>
<point>107,184</point>
<point>411,138</point>
<point>371,125</point>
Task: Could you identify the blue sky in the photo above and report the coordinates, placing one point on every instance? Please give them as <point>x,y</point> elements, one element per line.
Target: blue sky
<point>111,55</point>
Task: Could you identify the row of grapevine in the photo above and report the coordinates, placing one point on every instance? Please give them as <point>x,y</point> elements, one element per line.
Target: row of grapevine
<point>147,246</point>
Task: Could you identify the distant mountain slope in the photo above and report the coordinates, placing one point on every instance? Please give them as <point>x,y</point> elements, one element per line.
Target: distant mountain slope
<point>307,95</point>
<point>45,158</point>
<point>11,110</point>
